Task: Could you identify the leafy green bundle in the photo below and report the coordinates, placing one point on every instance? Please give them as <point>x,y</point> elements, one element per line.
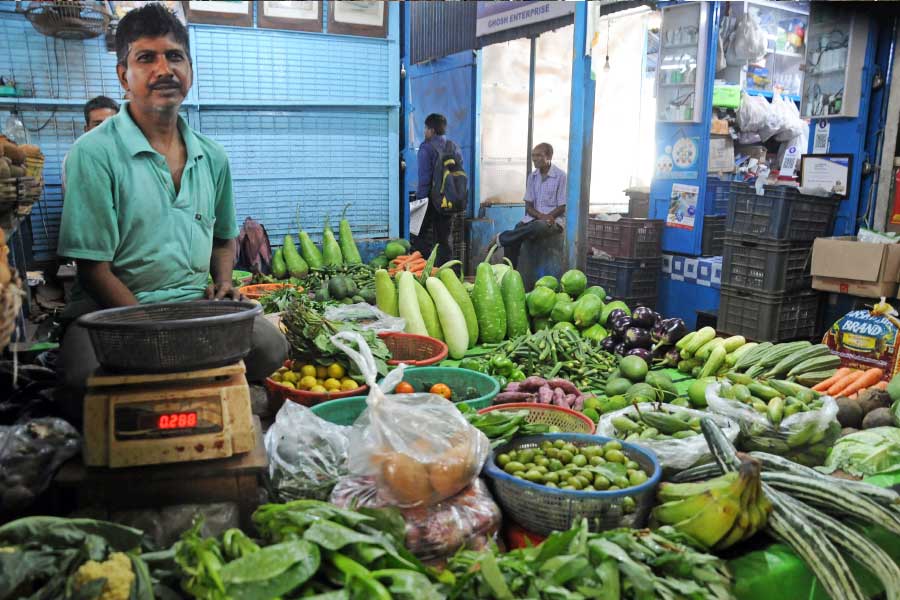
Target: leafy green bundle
<point>626,564</point>
<point>309,335</point>
<point>315,549</point>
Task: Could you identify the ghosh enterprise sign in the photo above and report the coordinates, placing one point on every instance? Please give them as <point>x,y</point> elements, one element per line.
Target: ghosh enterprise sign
<point>500,16</point>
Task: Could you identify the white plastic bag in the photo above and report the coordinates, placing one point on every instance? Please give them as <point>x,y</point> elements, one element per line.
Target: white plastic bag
<point>307,455</point>
<point>747,42</point>
<point>804,437</point>
<point>676,455</point>
<point>469,519</point>
<point>753,114</point>
<point>419,448</point>
<point>365,316</point>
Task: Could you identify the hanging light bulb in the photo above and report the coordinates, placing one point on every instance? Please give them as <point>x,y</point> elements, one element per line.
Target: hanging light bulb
<point>606,64</point>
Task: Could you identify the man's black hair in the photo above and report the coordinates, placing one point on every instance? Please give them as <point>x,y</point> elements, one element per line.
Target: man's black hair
<point>545,148</point>
<point>151,20</point>
<point>98,102</point>
<point>437,122</point>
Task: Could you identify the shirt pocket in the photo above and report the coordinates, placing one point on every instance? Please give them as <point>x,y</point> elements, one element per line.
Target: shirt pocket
<point>201,241</point>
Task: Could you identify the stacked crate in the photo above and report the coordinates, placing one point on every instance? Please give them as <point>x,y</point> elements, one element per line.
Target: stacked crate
<point>766,291</point>
<point>625,258</point>
<point>718,193</point>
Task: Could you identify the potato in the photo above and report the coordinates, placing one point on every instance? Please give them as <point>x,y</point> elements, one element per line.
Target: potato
<point>850,413</point>
<point>871,399</point>
<point>880,417</point>
<point>406,479</point>
<point>848,430</point>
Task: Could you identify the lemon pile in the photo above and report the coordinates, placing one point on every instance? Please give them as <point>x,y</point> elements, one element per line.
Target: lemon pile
<point>315,378</point>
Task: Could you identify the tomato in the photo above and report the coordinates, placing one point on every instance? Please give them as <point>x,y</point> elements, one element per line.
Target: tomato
<point>404,387</point>
<point>441,389</point>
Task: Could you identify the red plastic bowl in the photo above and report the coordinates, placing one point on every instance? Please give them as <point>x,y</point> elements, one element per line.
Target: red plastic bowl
<point>568,420</point>
<point>282,392</point>
<point>414,350</point>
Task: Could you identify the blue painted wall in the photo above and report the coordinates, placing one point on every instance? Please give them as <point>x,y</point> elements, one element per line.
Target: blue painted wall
<point>308,119</point>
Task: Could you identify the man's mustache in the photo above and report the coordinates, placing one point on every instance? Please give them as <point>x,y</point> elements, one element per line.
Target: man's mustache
<point>168,84</point>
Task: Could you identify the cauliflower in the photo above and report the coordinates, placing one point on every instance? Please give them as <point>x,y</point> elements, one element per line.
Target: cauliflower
<point>117,572</point>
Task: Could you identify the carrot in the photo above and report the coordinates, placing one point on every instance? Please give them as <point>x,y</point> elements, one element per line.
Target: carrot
<point>838,386</point>
<point>854,397</point>
<point>405,258</point>
<point>868,379</point>
<point>824,385</point>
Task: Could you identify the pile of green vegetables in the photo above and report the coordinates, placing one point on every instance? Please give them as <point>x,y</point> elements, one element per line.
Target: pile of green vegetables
<point>577,564</point>
<point>347,284</point>
<point>288,261</point>
<point>500,426</point>
<point>309,335</point>
<point>562,353</point>
<point>307,549</point>
<point>48,558</point>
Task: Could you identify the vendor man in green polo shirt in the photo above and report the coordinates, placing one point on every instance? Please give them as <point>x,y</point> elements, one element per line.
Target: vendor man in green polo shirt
<point>149,209</point>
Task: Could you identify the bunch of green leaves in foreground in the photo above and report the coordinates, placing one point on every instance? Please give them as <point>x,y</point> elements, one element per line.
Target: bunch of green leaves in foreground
<point>630,564</point>
<point>314,549</point>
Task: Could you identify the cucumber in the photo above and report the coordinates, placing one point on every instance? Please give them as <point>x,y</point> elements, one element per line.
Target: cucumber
<point>453,323</point>
<point>429,312</point>
<point>459,293</point>
<point>409,304</point>
<point>309,251</point>
<point>488,301</point>
<point>296,266</point>
<point>513,291</point>
<point>279,267</point>
<point>385,293</point>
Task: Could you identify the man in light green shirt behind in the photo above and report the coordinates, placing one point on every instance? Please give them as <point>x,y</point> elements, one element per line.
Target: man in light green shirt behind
<point>149,210</point>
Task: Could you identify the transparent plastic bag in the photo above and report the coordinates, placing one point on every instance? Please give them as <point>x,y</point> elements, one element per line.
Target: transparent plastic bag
<point>466,520</point>
<point>365,316</point>
<point>753,115</point>
<point>307,455</point>
<point>747,41</point>
<point>30,454</point>
<point>804,437</point>
<point>675,455</point>
<point>419,448</point>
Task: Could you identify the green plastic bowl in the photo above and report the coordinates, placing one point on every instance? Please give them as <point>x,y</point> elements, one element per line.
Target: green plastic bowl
<point>345,411</point>
<point>486,386</point>
<point>342,411</point>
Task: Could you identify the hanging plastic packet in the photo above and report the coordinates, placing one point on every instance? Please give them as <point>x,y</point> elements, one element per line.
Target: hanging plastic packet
<point>418,447</point>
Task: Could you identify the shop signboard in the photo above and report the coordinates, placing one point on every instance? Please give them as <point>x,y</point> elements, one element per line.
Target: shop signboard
<point>501,16</point>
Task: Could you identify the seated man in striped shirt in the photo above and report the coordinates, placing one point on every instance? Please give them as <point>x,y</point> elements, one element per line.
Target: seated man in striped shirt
<point>545,204</point>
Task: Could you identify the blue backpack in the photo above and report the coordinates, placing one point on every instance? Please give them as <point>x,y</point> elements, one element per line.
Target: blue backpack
<point>449,185</point>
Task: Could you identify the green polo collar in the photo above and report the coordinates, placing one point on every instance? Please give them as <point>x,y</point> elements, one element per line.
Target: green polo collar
<point>136,142</point>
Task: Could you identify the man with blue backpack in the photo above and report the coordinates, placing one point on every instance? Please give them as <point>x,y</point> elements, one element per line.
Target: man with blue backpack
<point>442,182</point>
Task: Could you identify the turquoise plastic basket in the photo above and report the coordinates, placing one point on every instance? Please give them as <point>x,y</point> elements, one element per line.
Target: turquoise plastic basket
<point>343,411</point>
<point>485,386</point>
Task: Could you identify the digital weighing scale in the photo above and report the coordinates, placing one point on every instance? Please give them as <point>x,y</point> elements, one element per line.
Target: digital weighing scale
<point>132,420</point>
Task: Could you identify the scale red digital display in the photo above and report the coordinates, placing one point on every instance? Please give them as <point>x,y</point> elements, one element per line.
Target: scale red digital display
<point>177,420</point>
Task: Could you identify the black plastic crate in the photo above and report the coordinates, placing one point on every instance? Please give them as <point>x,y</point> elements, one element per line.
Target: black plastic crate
<point>713,240</point>
<point>769,317</point>
<point>634,301</point>
<point>765,266</point>
<point>626,238</point>
<point>718,195</point>
<point>782,214</point>
<point>624,277</point>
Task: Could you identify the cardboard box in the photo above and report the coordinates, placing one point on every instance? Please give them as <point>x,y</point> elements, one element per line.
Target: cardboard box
<point>721,155</point>
<point>846,266</point>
